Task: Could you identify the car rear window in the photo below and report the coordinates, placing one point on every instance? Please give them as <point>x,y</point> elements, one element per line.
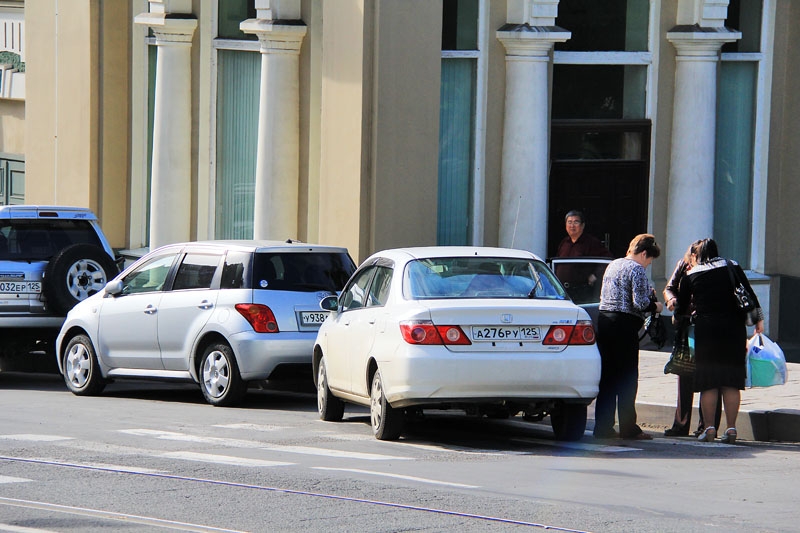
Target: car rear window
<point>480,277</point>
<point>303,272</point>
<point>26,239</point>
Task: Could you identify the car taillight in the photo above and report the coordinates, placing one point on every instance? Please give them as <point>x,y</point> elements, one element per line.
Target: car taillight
<point>581,333</point>
<point>259,316</point>
<point>425,332</point>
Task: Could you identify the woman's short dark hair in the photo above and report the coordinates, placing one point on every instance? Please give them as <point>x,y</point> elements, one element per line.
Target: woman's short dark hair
<point>644,242</point>
<point>706,250</point>
<point>575,213</point>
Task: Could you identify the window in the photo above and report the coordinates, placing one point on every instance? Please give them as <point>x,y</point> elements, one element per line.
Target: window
<point>304,272</point>
<point>738,118</point>
<point>356,293</point>
<point>599,91</point>
<point>230,14</point>
<point>458,120</point>
<point>234,271</point>
<point>149,277</point>
<point>610,25</point>
<point>196,271</point>
<point>379,290</point>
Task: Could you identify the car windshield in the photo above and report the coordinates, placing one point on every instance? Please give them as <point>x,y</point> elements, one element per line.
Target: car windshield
<point>40,239</point>
<point>304,272</point>
<point>480,277</point>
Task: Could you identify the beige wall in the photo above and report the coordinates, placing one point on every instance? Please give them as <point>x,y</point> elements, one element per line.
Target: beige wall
<point>783,239</point>
<point>77,105</point>
<point>405,123</point>
<point>12,127</point>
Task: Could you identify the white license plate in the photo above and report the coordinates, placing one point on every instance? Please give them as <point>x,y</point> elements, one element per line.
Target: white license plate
<point>312,318</point>
<point>506,333</point>
<point>20,287</point>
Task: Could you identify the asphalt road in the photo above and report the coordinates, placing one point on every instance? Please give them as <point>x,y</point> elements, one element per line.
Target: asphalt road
<point>150,457</point>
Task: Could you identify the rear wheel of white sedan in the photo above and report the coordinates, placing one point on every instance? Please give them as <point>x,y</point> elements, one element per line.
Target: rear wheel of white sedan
<point>331,408</point>
<point>81,370</point>
<point>569,421</point>
<point>220,380</point>
<point>387,422</point>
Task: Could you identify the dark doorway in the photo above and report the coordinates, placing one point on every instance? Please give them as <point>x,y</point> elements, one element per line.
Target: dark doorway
<point>601,168</point>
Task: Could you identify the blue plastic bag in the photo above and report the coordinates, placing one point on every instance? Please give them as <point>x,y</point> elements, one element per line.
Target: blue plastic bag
<point>766,364</point>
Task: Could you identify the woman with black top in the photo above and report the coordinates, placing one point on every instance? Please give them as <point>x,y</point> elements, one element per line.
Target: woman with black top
<point>720,335</point>
<point>683,411</point>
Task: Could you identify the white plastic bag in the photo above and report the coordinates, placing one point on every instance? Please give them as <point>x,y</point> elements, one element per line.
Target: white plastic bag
<point>766,364</point>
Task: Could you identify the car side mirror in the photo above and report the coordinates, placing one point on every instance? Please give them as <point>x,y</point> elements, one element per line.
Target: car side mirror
<point>329,303</point>
<point>114,287</point>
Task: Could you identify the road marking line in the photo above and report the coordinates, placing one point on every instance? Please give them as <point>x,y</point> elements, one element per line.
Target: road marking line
<point>250,427</point>
<point>238,443</point>
<point>398,476</point>
<point>9,479</point>
<point>34,438</point>
<point>221,459</point>
<point>96,513</point>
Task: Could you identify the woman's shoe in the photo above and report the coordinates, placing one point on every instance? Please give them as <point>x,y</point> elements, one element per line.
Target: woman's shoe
<point>676,432</point>
<point>708,435</point>
<point>729,437</point>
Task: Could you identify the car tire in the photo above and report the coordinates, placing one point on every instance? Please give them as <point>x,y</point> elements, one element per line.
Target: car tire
<point>74,274</point>
<point>569,421</point>
<point>331,408</point>
<point>81,369</point>
<point>220,381</point>
<point>387,422</point>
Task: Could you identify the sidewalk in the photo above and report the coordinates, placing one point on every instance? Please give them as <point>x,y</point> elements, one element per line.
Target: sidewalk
<point>766,414</point>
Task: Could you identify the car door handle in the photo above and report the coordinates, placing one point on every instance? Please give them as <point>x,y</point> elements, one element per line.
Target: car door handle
<point>205,304</point>
<point>372,321</point>
<point>150,310</point>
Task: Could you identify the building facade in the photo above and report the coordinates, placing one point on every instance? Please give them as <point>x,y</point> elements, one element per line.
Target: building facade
<point>381,123</point>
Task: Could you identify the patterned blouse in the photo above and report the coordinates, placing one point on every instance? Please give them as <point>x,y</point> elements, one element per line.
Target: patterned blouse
<point>626,288</point>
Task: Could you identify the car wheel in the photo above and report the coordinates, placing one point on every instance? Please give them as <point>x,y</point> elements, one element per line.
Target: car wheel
<point>331,408</point>
<point>74,274</point>
<point>569,421</point>
<point>220,380</point>
<point>81,370</point>
<point>387,422</point>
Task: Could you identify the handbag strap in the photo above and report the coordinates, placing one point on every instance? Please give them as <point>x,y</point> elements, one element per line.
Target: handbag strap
<point>730,273</point>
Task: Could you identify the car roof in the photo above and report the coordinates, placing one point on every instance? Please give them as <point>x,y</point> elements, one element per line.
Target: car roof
<point>426,252</point>
<point>252,245</point>
<point>46,212</point>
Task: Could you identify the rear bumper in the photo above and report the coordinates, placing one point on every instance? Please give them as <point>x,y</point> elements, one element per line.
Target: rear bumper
<point>420,377</point>
<point>259,354</point>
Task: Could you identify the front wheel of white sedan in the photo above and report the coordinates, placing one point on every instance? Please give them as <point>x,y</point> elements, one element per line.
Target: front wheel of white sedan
<point>220,380</point>
<point>387,422</point>
<point>81,370</point>
<point>331,408</point>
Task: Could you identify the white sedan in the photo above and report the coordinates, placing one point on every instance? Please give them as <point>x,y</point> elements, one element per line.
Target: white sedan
<point>486,330</point>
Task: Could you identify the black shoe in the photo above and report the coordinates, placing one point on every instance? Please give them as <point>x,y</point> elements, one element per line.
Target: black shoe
<point>676,432</point>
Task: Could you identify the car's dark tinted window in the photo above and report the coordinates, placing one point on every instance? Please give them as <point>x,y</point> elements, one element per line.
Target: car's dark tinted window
<point>305,272</point>
<point>196,271</point>
<point>41,239</point>
<point>234,271</point>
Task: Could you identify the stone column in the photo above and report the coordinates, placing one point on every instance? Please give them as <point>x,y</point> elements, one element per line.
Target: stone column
<point>690,212</point>
<point>278,156</point>
<point>526,135</point>
<point>171,183</point>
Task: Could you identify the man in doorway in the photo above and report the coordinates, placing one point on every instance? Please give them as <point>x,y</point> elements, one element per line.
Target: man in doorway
<point>580,280</point>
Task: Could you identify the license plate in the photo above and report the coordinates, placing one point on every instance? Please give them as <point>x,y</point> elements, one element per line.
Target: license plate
<point>20,287</point>
<point>506,333</point>
<point>312,318</point>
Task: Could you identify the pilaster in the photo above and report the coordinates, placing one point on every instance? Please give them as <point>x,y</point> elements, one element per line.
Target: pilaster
<point>526,132</point>
<point>690,212</point>
<point>278,154</point>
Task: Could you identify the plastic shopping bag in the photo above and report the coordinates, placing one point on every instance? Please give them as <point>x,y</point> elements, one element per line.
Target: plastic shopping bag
<point>766,364</point>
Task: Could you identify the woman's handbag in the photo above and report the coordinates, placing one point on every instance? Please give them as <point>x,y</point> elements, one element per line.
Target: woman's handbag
<point>744,300</point>
<point>766,364</point>
<point>681,362</point>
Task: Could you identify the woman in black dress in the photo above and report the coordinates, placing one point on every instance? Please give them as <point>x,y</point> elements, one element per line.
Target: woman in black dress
<point>720,334</point>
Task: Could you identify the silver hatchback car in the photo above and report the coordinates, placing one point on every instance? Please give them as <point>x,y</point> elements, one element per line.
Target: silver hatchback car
<point>218,313</point>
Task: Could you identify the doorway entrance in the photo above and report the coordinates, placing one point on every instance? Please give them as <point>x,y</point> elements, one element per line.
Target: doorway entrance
<point>601,168</point>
